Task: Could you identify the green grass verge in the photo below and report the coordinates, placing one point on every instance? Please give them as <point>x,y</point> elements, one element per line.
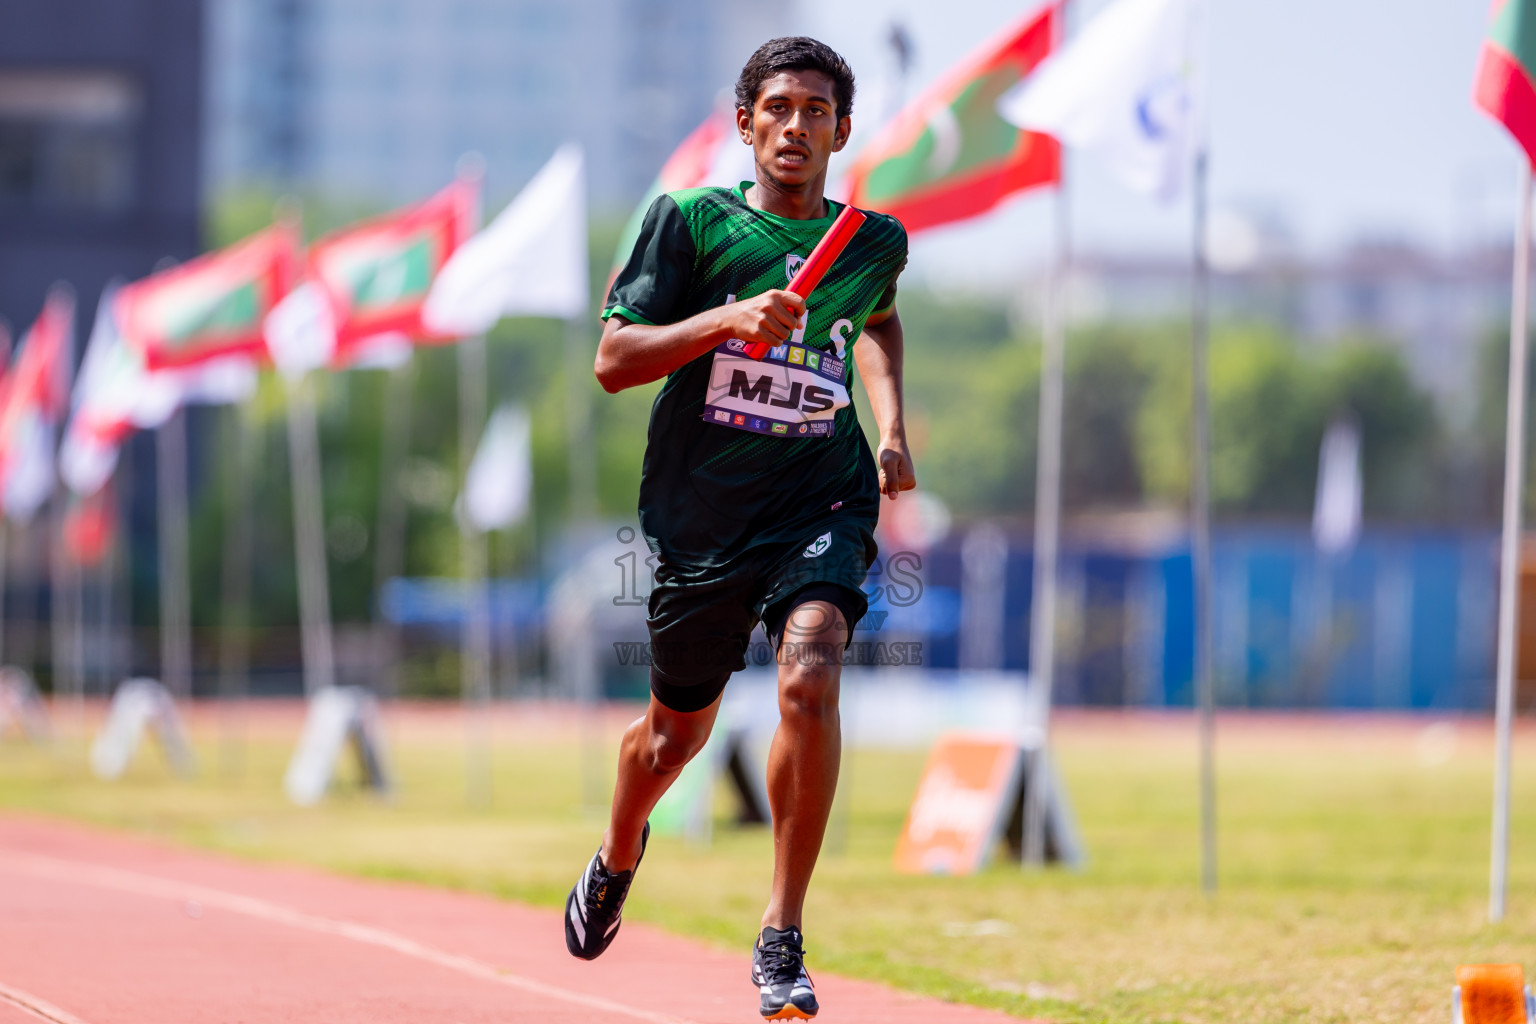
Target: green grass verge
<point>1353,862</point>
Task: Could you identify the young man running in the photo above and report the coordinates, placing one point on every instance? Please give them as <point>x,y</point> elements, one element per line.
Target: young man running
<point>759,493</point>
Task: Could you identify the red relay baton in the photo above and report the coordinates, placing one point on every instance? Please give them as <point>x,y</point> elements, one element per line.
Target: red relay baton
<point>818,263</point>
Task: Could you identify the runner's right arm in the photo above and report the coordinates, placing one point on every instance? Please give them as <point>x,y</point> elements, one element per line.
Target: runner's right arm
<point>631,354</point>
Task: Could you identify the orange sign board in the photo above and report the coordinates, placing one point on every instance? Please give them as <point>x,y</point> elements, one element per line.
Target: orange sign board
<point>962,804</point>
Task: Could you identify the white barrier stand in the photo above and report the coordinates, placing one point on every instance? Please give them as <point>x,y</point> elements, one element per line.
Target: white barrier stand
<point>21,706</point>
<point>337,714</point>
<point>140,704</point>
<point>687,808</point>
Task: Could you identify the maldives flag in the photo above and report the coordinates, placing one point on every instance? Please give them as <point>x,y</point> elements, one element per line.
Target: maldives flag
<point>712,154</point>
<point>1504,73</point>
<point>375,276</point>
<point>949,154</point>
<point>90,527</point>
<point>213,306</point>
<point>33,398</point>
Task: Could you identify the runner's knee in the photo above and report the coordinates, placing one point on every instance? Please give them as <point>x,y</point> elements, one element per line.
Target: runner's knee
<point>808,691</point>
<point>673,744</point>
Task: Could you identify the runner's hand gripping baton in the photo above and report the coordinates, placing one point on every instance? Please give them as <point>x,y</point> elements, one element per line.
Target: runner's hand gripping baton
<point>818,263</point>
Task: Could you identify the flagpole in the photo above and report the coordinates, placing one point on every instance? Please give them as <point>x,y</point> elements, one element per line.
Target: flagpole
<point>1042,620</point>
<point>235,643</point>
<point>475,636</point>
<point>309,537</point>
<point>389,539</point>
<point>583,510</point>
<point>175,601</point>
<point>1200,529</point>
<point>5,579</point>
<point>65,681</point>
<point>1042,632</point>
<point>1509,550</point>
<point>583,459</point>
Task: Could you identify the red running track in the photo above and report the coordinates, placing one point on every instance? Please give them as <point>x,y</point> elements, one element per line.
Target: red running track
<point>100,928</point>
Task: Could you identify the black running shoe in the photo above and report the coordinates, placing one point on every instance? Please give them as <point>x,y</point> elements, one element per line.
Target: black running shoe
<point>778,970</point>
<point>596,903</point>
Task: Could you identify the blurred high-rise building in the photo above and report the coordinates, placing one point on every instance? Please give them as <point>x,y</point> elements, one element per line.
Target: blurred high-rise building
<point>99,144</point>
<point>375,100</point>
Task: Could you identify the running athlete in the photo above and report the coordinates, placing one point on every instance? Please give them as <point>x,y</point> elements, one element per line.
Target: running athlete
<point>758,494</point>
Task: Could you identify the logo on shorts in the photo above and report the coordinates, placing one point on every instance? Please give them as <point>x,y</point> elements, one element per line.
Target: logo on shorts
<point>792,263</point>
<point>819,545</point>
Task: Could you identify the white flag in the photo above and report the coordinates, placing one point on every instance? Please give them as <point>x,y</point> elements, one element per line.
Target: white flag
<point>29,482</point>
<point>1336,515</point>
<point>530,261</point>
<point>300,331</point>
<point>1123,88</point>
<point>500,478</point>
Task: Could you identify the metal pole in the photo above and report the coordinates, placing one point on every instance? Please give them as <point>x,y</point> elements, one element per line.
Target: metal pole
<point>235,641</point>
<point>309,538</point>
<point>5,578</point>
<point>1200,533</point>
<point>1042,625</point>
<point>578,420</point>
<point>389,539</point>
<point>583,509</point>
<point>175,600</point>
<point>1509,550</point>
<point>66,681</point>
<point>475,637</point>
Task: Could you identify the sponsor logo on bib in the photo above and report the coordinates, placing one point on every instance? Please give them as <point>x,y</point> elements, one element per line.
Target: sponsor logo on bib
<point>795,392</point>
<point>819,545</point>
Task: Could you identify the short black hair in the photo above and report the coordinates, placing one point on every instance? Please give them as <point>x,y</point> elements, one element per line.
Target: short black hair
<point>795,53</point>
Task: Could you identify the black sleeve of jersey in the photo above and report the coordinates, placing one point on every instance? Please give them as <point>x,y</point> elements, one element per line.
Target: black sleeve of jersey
<point>888,297</point>
<point>653,284</point>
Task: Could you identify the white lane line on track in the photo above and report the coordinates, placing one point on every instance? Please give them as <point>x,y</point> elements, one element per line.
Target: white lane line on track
<point>26,1002</point>
<point>133,882</point>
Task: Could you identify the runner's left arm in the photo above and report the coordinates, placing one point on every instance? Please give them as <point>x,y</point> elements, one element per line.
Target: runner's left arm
<point>878,352</point>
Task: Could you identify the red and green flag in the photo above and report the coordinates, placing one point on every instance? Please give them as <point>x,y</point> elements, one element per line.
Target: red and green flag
<point>949,155</point>
<point>213,306</point>
<point>33,398</point>
<point>1507,69</point>
<point>712,154</point>
<point>376,275</point>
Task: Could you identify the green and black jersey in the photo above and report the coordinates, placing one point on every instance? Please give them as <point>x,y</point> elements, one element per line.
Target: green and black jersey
<point>744,453</point>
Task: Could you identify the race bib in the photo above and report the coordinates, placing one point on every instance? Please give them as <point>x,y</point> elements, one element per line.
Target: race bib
<point>793,392</point>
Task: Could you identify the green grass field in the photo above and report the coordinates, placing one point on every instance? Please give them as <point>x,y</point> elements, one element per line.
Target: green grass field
<point>1354,857</point>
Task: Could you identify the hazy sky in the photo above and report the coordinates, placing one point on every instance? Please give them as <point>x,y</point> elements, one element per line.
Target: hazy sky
<point>1338,119</point>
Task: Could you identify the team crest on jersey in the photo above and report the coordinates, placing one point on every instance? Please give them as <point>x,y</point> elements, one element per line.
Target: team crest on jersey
<point>792,263</point>
<point>819,545</point>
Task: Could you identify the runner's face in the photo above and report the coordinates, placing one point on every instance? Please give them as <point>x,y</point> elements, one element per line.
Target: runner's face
<point>793,127</point>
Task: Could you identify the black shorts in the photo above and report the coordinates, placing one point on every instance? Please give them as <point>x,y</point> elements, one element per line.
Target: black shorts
<point>701,627</point>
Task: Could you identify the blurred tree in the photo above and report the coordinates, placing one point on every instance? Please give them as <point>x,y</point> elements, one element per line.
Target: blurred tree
<point>1271,401</point>
<point>1109,373</point>
<point>1400,433</point>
